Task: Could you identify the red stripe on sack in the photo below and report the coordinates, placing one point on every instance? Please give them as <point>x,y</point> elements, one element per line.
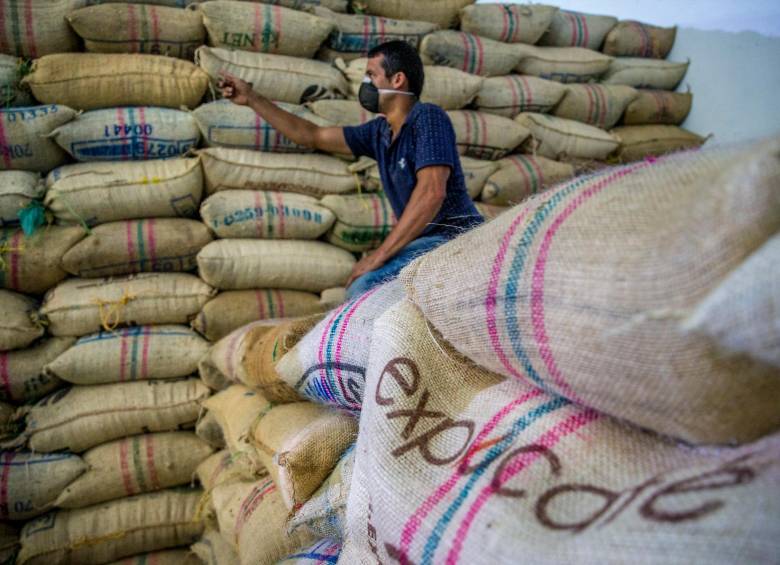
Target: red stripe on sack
<point>124,466</point>
<point>131,255</point>
<point>573,22</point>
<point>15,259</point>
<point>513,90</point>
<point>123,354</point>
<point>585,32</point>
<point>483,125</point>
<point>279,303</point>
<point>535,165</point>
<point>466,52</point>
<point>280,203</point>
<point>523,171</point>
<point>250,504</point>
<point>28,22</point>
<point>375,205</point>
<point>591,103</point>
<point>599,90</point>
<point>467,121</point>
<point>145,353</point>
<point>527,92</point>
<point>151,240</point>
<point>480,54</point>
<point>5,376</point>
<point>150,462</point>
<point>257,37</point>
<point>132,28</point>
<point>8,456</point>
<point>505,30</point>
<point>260,305</point>
<point>155,24</point>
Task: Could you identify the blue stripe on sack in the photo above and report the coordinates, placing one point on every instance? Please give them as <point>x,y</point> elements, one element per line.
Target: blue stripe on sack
<point>328,352</point>
<point>107,336</point>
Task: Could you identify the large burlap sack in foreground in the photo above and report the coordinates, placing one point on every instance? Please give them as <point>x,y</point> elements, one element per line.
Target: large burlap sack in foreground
<point>213,549</point>
<point>584,290</point>
<point>636,39</point>
<point>138,246</point>
<point>129,354</point>
<point>86,81</point>
<point>135,465</point>
<point>264,28</point>
<point>18,325</point>
<point>97,193</point>
<point>443,13</point>
<point>315,175</point>
<point>10,92</point>
<point>24,144</point>
<point>79,307</point>
<point>224,124</point>
<point>300,444</point>
<point>577,29</point>
<point>235,308</point>
<point>640,142</point>
<point>742,314</point>
<point>520,176</point>
<point>103,533</point>
<point>278,77</point>
<point>128,134</point>
<point>17,190</point>
<point>510,23</point>
<point>32,481</point>
<point>658,107</point>
<point>355,35</point>
<point>32,264</point>
<point>81,417</point>
<point>559,138</point>
<point>235,264</point>
<point>493,473</point>
<point>562,64</point>
<point>263,214</point>
<point>469,53</point>
<point>22,371</point>
<point>645,73</point>
<point>363,221</point>
<point>328,365</point>
<point>512,94</point>
<point>252,516</point>
<point>486,136</point>
<point>324,551</point>
<point>600,105</point>
<point>33,28</point>
<point>139,28</point>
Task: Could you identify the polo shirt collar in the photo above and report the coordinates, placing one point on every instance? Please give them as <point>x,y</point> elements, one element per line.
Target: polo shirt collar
<point>387,132</point>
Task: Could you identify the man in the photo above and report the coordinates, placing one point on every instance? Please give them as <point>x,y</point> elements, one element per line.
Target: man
<point>414,146</point>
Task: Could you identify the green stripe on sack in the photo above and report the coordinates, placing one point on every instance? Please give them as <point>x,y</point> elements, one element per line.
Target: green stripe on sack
<point>144,26</point>
<point>269,214</point>
<point>139,468</point>
<point>139,235</point>
<point>532,176</point>
<point>472,53</point>
<point>271,306</point>
<point>267,30</point>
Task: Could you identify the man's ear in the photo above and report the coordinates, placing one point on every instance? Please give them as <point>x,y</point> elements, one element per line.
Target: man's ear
<point>399,81</point>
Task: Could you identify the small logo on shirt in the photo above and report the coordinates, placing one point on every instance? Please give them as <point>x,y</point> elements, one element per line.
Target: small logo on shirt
<point>402,163</point>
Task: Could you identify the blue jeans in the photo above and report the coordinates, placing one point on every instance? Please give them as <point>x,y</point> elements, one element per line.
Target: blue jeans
<point>390,270</point>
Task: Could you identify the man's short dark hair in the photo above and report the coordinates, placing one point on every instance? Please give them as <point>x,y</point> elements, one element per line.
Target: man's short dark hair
<point>401,57</point>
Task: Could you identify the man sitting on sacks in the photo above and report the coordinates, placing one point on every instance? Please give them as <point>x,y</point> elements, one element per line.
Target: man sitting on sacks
<point>414,146</point>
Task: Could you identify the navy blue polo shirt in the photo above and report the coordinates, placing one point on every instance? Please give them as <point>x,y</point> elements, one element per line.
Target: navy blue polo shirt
<point>426,138</point>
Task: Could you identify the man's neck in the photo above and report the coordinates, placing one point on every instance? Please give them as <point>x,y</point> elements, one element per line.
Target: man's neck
<point>398,111</point>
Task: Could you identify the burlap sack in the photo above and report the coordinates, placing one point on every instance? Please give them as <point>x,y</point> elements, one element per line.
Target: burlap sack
<point>18,324</point>
<point>139,28</point>
<point>9,426</point>
<point>363,221</point>
<point>640,142</point>
<point>257,214</point>
<point>444,86</point>
<point>328,365</point>
<point>324,515</point>
<point>209,430</point>
<point>520,176</point>
<point>443,13</point>
<point>600,105</point>
<point>236,409</point>
<point>335,5</point>
<point>486,136</point>
<point>31,482</point>
<point>10,92</point>
<point>166,557</point>
<point>468,52</point>
<point>476,172</point>
<point>252,518</point>
<point>636,39</point>
<point>510,23</point>
<point>512,94</point>
<point>9,543</point>
<point>86,81</point>
<point>24,142</point>
<point>355,35</point>
<point>645,73</point>
<point>448,471</point>
<point>225,124</point>
<point>236,264</point>
<point>223,466</point>
<point>79,307</point>
<point>213,549</point>
<point>278,77</point>
<point>135,465</point>
<point>138,246</point>
<point>129,354</point>
<point>103,533</point>
<point>562,64</point>
<point>22,375</point>
<point>558,138</point>
<point>84,416</point>
<point>264,28</point>
<point>300,444</point>
<point>235,308</point>
<point>31,264</point>
<point>342,112</point>
<point>315,175</point>
<point>170,3</point>
<point>658,107</point>
<point>324,551</point>
<point>742,314</point>
<point>34,28</point>
<point>490,212</point>
<point>17,190</point>
<point>577,29</point>
<point>248,355</point>
<point>613,336</point>
<point>128,134</point>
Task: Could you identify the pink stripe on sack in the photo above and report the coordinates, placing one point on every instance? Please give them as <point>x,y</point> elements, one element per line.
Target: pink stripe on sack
<point>586,32</point>
<point>260,304</point>
<point>537,288</point>
<point>548,440</point>
<point>155,24</point>
<point>466,52</point>
<point>30,28</point>
<point>151,240</point>
<point>480,54</point>
<point>257,38</point>
<point>132,28</point>
<point>124,466</point>
<point>150,462</point>
<point>279,303</point>
<point>123,354</point>
<point>342,331</point>
<point>6,377</point>
<point>145,354</point>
